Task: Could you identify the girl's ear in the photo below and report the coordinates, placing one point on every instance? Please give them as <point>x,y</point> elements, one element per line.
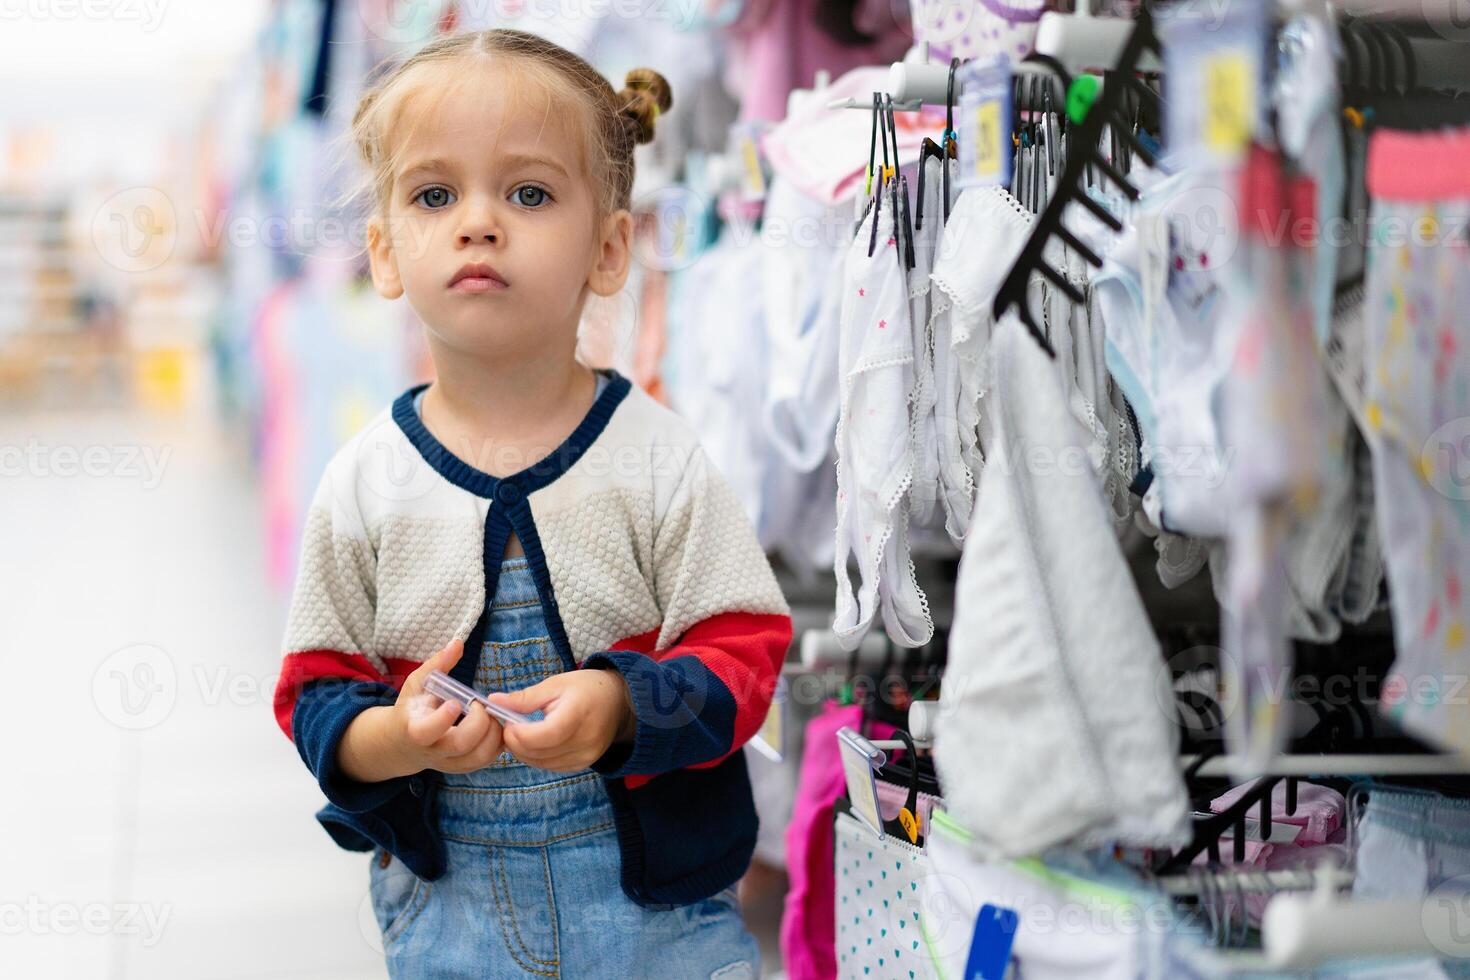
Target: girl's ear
<point>382,261</point>
<point>615,252</point>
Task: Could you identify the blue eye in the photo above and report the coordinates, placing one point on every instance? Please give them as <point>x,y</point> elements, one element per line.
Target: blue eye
<point>435,197</point>
<point>538,195</point>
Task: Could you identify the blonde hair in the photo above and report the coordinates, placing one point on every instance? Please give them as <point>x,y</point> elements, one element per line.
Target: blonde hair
<point>617,121</point>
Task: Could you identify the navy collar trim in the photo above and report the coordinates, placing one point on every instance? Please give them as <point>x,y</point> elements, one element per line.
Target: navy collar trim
<point>533,477</point>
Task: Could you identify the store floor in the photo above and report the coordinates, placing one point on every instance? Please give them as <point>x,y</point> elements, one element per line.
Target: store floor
<point>156,823</point>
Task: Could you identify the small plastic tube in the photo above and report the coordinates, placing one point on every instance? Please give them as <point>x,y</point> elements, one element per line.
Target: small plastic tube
<point>446,688</point>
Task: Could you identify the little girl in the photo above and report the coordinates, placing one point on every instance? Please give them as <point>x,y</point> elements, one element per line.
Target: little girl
<point>546,533</point>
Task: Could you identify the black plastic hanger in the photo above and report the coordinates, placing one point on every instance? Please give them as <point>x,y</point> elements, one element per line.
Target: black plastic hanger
<point>1107,110</point>
<point>882,176</point>
<point>895,827</point>
<point>903,228</point>
<point>951,138</point>
<point>927,149</point>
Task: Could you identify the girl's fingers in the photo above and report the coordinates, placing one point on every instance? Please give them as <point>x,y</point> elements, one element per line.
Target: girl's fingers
<point>467,734</point>
<point>529,699</point>
<point>480,755</point>
<point>425,727</point>
<point>540,737</point>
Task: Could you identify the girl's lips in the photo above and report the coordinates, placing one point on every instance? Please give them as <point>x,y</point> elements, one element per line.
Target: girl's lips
<point>478,284</point>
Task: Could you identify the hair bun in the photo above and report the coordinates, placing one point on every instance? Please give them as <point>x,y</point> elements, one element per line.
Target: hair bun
<point>645,95</point>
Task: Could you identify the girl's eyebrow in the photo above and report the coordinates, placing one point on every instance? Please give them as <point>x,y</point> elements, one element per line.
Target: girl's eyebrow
<point>508,161</point>
<point>520,159</point>
<point>424,167</point>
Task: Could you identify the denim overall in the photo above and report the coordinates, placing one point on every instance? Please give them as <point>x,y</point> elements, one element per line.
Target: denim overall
<point>532,886</point>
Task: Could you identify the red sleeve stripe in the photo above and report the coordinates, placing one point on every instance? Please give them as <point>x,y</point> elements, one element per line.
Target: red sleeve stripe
<point>299,669</point>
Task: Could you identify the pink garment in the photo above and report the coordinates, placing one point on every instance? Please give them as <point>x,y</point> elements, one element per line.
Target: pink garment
<point>808,924</point>
<point>779,47</point>
<point>892,797</point>
<point>1319,809</point>
<point>824,152</point>
<point>1319,812</point>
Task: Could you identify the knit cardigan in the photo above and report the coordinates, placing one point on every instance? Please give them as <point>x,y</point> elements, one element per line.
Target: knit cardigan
<point>645,563</point>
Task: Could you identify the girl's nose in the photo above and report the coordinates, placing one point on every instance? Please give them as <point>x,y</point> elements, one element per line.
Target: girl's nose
<point>479,225</point>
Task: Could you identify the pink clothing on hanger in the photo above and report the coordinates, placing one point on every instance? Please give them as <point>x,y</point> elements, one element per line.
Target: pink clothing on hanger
<point>1319,809</point>
<point>1320,812</point>
<point>808,925</point>
<point>824,152</point>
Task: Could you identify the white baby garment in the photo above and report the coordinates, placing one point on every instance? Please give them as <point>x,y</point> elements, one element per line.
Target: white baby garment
<point>875,459</point>
<point>1057,719</point>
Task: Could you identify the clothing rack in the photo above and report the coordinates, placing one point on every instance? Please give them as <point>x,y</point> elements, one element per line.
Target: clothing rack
<point>1345,765</point>
<point>1198,881</point>
<point>1109,110</point>
<point>1075,42</point>
<point>1300,931</point>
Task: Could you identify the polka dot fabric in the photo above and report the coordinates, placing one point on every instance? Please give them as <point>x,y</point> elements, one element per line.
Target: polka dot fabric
<point>878,904</point>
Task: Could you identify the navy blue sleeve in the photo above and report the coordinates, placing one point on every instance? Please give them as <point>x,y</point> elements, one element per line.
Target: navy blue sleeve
<point>396,813</point>
<point>685,714</point>
<point>323,711</point>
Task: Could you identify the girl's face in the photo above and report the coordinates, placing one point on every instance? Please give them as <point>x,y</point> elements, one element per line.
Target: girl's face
<point>491,226</point>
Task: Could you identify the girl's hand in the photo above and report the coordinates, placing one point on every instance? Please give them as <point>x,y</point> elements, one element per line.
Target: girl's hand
<point>430,737</point>
<point>414,734</point>
<point>586,711</point>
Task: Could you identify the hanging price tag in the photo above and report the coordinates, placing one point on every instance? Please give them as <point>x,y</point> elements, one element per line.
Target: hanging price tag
<point>746,140</point>
<point>1214,77</point>
<point>984,111</point>
<point>860,760</point>
<point>769,740</point>
<point>1229,97</point>
<point>990,946</point>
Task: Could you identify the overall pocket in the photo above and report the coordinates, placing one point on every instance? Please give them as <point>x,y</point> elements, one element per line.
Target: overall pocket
<point>525,907</point>
<point>398,895</point>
